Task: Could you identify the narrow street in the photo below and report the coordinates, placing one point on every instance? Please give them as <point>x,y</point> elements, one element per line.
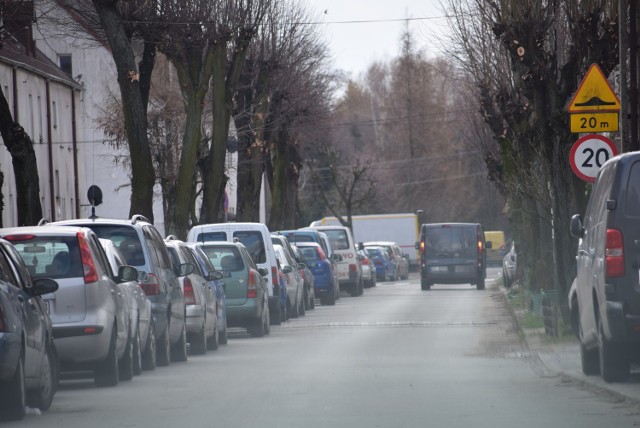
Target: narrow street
<point>395,357</point>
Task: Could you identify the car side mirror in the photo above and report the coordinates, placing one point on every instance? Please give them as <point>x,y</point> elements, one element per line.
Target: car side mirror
<point>186,269</point>
<point>127,273</point>
<point>263,271</point>
<point>287,269</point>
<point>43,286</point>
<point>360,246</point>
<point>301,266</point>
<point>216,274</point>
<point>143,276</point>
<point>576,229</point>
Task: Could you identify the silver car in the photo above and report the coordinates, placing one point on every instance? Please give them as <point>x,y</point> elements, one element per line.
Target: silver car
<point>144,347</point>
<point>89,313</point>
<point>201,307</point>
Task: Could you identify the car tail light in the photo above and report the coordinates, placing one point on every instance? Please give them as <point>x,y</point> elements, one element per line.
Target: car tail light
<point>88,266</point>
<point>302,273</point>
<point>151,286</point>
<point>189,295</point>
<point>365,261</point>
<point>353,268</point>
<point>15,238</point>
<point>3,325</point>
<point>252,285</point>
<point>322,255</point>
<point>274,276</point>
<point>614,254</point>
<point>422,247</point>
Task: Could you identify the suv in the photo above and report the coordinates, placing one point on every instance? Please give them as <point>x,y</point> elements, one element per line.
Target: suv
<point>89,313</point>
<point>143,248</point>
<point>607,287</point>
<point>452,253</point>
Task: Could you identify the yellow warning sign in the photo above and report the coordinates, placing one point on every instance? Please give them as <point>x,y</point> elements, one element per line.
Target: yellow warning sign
<point>594,94</point>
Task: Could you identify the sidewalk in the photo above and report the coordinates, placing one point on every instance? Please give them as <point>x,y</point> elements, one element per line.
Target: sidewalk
<point>561,357</point>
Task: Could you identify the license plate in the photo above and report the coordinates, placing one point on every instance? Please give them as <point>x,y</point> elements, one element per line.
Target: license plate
<point>439,268</point>
<point>464,269</point>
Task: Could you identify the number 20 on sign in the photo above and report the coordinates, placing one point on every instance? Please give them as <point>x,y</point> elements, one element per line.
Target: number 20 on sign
<point>589,153</point>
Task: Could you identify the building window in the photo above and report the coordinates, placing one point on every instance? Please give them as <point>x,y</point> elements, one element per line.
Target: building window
<point>65,63</point>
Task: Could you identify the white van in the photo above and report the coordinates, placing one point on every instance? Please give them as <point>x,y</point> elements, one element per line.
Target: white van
<point>343,244</point>
<point>257,239</point>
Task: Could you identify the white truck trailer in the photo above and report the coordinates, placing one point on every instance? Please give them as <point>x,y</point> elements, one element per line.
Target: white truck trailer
<point>400,228</point>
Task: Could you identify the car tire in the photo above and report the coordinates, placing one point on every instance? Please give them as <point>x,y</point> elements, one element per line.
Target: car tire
<point>425,285</point>
<point>374,280</point>
<point>614,364</point>
<point>149,354</point>
<point>267,323</point>
<point>328,299</point>
<point>284,314</point>
<point>507,283</point>
<point>312,301</point>
<point>107,372</point>
<point>179,349</point>
<point>293,310</point>
<point>305,299</point>
<point>199,342</point>
<point>222,335</point>
<point>125,367</point>
<point>302,309</point>
<point>276,314</point>
<point>256,328</point>
<point>354,290</point>
<point>480,284</point>
<point>214,340</point>
<point>137,355</point>
<point>42,397</point>
<point>163,347</point>
<point>13,396</point>
<point>590,361</point>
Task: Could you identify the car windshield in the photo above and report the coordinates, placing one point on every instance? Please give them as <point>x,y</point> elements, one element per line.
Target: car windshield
<point>224,258</point>
<point>450,242</point>
<point>52,257</point>
<point>338,239</point>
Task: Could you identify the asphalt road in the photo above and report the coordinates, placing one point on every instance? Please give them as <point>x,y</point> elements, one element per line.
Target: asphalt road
<point>394,357</point>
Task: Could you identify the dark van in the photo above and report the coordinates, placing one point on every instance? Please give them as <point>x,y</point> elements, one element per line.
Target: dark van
<point>452,253</point>
<point>607,281</point>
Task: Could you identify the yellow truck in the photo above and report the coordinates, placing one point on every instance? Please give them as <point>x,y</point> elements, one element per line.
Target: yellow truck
<point>497,249</point>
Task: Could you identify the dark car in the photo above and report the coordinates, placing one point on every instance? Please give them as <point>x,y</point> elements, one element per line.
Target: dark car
<point>385,268</point>
<point>307,276</point>
<point>143,248</point>
<point>607,285</point>
<point>24,320</point>
<point>324,282</point>
<point>452,253</point>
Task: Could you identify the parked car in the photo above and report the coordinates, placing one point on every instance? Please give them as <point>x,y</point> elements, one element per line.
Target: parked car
<point>201,308</point>
<point>509,265</point>
<point>368,269</point>
<point>28,374</point>
<point>342,243</point>
<point>395,253</point>
<point>323,276</point>
<point>89,313</point>
<point>385,268</point>
<point>307,277</point>
<point>140,329</point>
<point>294,281</point>
<point>246,286</point>
<point>143,248</point>
<point>608,297</point>
<point>452,253</point>
<point>298,259</point>
<point>206,270</point>
<point>257,241</point>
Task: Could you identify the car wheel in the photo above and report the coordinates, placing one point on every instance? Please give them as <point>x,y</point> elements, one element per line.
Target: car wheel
<point>222,334</point>
<point>276,314</point>
<point>199,342</point>
<point>164,347</point>
<point>126,364</point>
<point>267,323</point>
<point>106,374</point>
<point>480,284</point>
<point>137,355</point>
<point>330,298</point>
<point>179,349</point>
<point>354,289</point>
<point>214,340</point>
<point>256,329</point>
<point>507,283</point>
<point>425,284</point>
<point>590,361</point>
<point>293,310</point>
<point>303,310</point>
<point>374,280</point>
<point>614,364</point>
<point>42,397</point>
<point>13,396</point>
<point>360,287</point>
<point>305,299</point>
<point>284,314</point>
<point>149,354</point>
<point>312,301</point>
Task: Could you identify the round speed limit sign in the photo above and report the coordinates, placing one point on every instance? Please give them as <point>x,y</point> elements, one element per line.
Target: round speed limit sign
<point>589,153</point>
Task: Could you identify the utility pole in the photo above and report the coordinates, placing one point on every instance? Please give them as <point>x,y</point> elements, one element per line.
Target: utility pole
<point>633,74</point>
<point>623,41</point>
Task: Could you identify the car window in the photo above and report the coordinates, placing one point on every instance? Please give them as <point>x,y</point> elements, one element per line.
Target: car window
<point>101,257</point>
<point>51,256</point>
<point>173,255</point>
<point>224,258</point>
<point>310,253</point>
<point>450,242</point>
<point>212,236</point>
<point>338,239</point>
<point>17,265</point>
<point>6,271</point>
<point>252,240</point>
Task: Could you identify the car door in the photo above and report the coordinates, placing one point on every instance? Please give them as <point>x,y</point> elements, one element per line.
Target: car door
<point>30,311</point>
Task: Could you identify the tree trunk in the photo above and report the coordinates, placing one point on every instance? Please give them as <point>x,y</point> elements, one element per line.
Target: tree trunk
<point>135,115</point>
<point>25,167</point>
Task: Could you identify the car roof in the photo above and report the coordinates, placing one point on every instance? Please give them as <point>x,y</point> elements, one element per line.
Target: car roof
<point>136,218</point>
<point>43,230</point>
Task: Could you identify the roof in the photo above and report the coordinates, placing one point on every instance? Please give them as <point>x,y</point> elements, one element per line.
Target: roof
<point>15,54</point>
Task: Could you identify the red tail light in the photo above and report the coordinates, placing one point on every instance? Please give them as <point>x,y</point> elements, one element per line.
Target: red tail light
<point>252,285</point>
<point>274,276</point>
<point>322,254</point>
<point>3,326</point>
<point>189,295</point>
<point>614,254</point>
<point>151,286</point>
<point>88,266</point>
<point>16,238</point>
<point>353,268</point>
<point>422,247</point>
<point>365,261</point>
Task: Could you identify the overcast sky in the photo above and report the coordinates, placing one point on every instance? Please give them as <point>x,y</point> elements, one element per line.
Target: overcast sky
<point>355,45</point>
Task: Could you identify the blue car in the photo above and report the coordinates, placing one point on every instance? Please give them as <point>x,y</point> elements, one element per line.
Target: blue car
<point>385,267</point>
<point>325,284</point>
<point>24,315</point>
<point>206,268</point>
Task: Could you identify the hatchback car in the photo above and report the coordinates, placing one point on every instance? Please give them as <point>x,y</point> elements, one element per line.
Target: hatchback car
<point>89,313</point>
<point>294,281</point>
<point>369,274</point>
<point>385,268</point>
<point>324,282</point>
<point>307,277</point>
<point>143,248</point>
<point>29,373</point>
<point>400,259</point>
<point>607,283</point>
<point>201,308</point>
<point>144,347</point>
<point>246,286</point>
